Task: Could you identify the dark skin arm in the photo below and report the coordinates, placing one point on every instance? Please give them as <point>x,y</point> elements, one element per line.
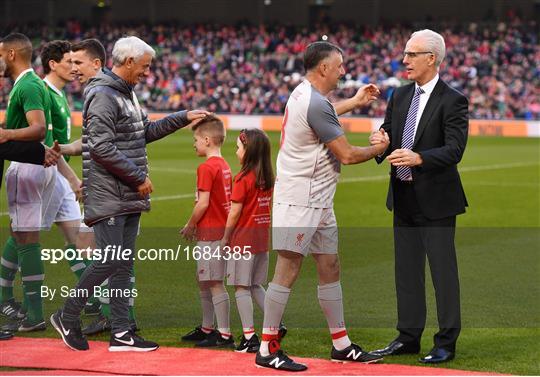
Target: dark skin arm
<point>34,132</point>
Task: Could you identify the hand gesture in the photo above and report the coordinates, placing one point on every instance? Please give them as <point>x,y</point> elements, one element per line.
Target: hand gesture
<point>366,95</point>
<point>404,157</point>
<point>146,188</point>
<point>51,155</point>
<point>195,116</point>
<point>188,232</point>
<point>380,140</point>
<point>379,136</point>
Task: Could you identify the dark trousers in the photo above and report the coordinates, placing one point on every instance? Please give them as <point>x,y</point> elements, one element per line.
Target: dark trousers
<point>121,232</point>
<point>416,236</point>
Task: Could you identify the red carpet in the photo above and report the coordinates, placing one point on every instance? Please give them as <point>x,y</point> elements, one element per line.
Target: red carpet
<point>54,355</point>
<point>50,372</point>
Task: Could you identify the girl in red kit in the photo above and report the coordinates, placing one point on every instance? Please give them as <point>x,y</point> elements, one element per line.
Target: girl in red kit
<point>247,229</point>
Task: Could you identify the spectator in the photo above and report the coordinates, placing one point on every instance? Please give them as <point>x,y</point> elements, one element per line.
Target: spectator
<point>250,69</point>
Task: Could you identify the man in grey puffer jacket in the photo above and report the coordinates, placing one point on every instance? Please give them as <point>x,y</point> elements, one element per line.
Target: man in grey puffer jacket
<point>116,187</point>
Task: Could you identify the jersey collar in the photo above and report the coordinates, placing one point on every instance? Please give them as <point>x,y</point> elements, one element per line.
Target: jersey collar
<point>22,74</point>
<point>51,85</point>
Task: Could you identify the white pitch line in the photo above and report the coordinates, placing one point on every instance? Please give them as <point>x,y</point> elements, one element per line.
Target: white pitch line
<point>173,170</point>
<point>363,179</point>
<point>461,170</point>
<point>498,166</point>
<point>154,199</point>
<point>502,184</point>
<point>173,197</point>
<point>376,177</point>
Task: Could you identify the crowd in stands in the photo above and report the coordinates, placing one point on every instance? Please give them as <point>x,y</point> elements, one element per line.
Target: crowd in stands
<point>251,69</point>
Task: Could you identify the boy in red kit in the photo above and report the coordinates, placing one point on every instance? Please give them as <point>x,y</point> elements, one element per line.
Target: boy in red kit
<point>206,225</point>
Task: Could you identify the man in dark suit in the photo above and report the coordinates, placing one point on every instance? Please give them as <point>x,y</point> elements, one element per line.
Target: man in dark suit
<point>427,124</point>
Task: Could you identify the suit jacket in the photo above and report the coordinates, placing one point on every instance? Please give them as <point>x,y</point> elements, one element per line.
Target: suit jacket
<point>31,152</point>
<point>440,139</point>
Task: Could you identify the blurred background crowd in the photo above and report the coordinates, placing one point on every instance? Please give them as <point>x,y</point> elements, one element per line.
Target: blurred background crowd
<point>251,69</point>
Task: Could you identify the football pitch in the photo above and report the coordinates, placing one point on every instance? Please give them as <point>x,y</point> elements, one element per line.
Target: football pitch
<point>498,243</point>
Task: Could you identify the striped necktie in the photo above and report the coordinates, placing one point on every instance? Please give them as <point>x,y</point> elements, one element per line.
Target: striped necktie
<point>407,140</point>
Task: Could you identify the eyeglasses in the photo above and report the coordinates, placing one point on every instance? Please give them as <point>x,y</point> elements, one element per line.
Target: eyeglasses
<point>413,55</point>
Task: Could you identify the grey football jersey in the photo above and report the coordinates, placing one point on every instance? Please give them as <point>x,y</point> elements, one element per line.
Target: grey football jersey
<point>307,171</point>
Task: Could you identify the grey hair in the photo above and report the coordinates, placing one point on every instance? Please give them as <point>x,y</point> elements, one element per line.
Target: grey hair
<point>434,43</point>
<point>130,47</point>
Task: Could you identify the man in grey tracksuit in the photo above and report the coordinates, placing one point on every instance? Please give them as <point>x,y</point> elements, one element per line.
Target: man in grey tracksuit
<point>116,187</point>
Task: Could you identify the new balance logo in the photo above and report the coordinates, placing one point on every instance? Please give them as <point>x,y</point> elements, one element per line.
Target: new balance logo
<point>354,354</point>
<point>276,363</point>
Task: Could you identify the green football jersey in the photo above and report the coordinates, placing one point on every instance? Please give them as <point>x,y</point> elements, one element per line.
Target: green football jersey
<point>29,93</point>
<point>60,115</point>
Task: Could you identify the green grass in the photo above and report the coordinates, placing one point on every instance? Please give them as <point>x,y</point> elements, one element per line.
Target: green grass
<point>497,239</point>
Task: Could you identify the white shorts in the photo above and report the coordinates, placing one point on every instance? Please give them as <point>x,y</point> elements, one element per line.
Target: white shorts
<point>29,190</point>
<point>304,230</point>
<point>63,205</point>
<point>253,271</point>
<point>210,269</point>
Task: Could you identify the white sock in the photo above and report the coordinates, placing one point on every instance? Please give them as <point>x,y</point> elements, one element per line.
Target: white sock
<point>340,339</point>
<point>263,348</point>
<point>248,333</point>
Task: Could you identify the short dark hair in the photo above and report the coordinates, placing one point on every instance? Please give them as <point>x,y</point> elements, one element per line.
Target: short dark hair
<point>212,127</point>
<point>20,42</point>
<point>318,51</point>
<point>93,48</point>
<point>53,50</point>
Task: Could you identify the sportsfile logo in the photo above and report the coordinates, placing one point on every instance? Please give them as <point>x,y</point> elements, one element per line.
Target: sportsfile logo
<point>109,253</point>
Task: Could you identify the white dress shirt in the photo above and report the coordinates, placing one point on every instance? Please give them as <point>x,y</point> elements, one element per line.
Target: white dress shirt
<point>424,97</point>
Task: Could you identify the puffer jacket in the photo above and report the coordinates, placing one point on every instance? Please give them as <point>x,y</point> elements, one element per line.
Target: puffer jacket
<point>114,137</point>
